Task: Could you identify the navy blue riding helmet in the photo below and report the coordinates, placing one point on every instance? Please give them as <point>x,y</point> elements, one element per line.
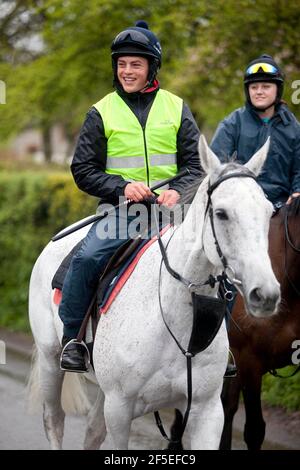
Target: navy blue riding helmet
<point>138,40</point>
<point>264,69</point>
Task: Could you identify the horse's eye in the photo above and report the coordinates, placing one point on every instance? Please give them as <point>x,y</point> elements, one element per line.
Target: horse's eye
<point>221,214</point>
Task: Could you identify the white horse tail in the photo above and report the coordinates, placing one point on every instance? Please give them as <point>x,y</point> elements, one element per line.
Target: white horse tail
<point>33,390</point>
<point>42,386</point>
<point>75,398</point>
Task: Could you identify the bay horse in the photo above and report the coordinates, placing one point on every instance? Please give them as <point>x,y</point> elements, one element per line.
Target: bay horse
<point>261,345</point>
<point>138,366</point>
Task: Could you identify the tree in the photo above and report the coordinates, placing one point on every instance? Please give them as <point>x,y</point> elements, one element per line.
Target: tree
<point>206,46</point>
<point>230,34</point>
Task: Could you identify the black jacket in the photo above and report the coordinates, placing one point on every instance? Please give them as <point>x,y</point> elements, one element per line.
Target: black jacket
<point>89,161</point>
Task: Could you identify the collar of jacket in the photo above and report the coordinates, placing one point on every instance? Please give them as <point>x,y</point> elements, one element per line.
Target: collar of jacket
<point>152,90</point>
<point>281,112</point>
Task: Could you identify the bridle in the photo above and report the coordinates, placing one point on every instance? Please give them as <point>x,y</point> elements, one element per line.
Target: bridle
<point>192,286</point>
<point>227,268</point>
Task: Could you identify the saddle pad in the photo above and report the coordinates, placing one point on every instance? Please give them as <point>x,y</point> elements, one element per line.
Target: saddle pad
<point>59,276</point>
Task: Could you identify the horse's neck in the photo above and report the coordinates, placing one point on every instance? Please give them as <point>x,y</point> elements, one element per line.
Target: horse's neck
<point>186,252</point>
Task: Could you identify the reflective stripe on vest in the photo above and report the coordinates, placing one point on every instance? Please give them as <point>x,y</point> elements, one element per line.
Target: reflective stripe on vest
<point>147,155</point>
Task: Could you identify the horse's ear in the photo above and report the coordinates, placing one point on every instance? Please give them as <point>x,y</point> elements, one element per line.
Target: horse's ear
<point>255,164</point>
<point>209,160</point>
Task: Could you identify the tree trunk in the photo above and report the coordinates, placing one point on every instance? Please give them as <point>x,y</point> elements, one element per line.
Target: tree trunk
<point>47,143</point>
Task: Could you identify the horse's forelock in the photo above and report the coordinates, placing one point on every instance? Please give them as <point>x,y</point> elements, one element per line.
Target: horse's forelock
<point>230,167</point>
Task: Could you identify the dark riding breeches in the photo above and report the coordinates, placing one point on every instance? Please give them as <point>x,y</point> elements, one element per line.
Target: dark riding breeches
<point>81,280</point>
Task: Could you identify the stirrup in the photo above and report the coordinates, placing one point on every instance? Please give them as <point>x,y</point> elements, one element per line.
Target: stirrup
<point>231,369</point>
<point>88,357</point>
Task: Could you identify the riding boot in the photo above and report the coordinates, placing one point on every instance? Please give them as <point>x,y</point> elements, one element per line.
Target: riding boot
<point>231,369</point>
<point>74,356</point>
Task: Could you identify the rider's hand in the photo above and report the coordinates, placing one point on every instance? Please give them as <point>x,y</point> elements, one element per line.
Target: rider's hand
<point>292,197</point>
<point>168,198</point>
<point>137,191</point>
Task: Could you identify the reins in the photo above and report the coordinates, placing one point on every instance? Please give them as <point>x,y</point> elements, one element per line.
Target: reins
<point>192,286</point>
<point>288,240</point>
<point>287,234</point>
<point>275,373</point>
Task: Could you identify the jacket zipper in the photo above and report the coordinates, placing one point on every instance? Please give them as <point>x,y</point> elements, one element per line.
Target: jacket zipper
<point>143,126</point>
<point>146,156</point>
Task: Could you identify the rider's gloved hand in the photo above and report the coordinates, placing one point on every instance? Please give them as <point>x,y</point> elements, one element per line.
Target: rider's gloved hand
<point>292,197</point>
<point>137,191</point>
<point>168,198</point>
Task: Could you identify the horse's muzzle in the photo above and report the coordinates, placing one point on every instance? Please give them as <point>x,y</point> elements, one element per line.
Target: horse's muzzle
<point>263,302</point>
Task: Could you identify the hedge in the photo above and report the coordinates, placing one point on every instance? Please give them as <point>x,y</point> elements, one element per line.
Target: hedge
<point>33,207</point>
<point>282,392</point>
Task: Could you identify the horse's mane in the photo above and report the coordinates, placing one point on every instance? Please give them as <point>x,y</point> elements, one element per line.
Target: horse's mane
<point>293,209</point>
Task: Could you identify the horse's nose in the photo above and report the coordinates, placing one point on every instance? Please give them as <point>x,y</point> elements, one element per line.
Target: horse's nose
<point>265,302</point>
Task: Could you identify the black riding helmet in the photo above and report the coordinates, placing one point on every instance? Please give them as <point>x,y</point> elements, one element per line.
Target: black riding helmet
<point>137,40</point>
<point>264,69</point>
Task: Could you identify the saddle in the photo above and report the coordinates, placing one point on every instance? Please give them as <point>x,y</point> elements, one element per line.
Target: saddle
<point>115,266</point>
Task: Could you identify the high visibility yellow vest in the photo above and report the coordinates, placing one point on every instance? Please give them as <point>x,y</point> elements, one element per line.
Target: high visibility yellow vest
<point>137,154</point>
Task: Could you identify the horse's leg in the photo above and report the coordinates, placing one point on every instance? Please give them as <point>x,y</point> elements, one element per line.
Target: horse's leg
<point>230,399</point>
<point>205,424</point>
<point>254,431</point>
<point>51,379</point>
<point>96,429</point>
<point>118,418</point>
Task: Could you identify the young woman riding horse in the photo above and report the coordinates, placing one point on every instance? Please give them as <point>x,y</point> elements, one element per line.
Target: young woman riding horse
<point>263,345</point>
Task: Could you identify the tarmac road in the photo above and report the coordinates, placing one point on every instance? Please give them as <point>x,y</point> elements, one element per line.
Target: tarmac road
<point>19,430</point>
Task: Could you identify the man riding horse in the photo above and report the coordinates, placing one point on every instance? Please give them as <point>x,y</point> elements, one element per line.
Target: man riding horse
<point>134,137</point>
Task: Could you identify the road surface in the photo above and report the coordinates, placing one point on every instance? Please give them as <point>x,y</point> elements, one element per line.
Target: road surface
<point>20,431</point>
